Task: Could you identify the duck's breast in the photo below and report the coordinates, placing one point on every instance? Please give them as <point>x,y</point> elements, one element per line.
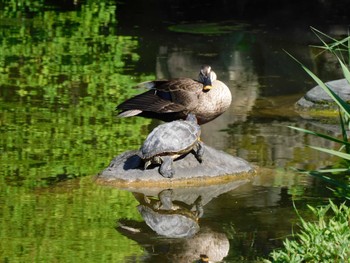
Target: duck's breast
<point>214,102</point>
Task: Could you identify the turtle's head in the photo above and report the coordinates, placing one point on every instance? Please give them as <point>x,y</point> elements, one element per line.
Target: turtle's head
<point>206,77</point>
<point>191,118</point>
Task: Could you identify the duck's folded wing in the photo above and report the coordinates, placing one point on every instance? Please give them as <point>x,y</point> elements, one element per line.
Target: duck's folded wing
<point>151,101</point>
<point>175,95</point>
<point>180,91</point>
<point>181,84</point>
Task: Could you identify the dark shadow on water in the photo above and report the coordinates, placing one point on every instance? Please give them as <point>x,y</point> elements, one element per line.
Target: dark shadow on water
<point>135,162</point>
<point>58,178</point>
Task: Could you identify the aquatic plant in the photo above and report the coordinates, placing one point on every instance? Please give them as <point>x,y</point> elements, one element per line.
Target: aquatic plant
<point>338,174</point>
<point>325,240</point>
<point>328,238</point>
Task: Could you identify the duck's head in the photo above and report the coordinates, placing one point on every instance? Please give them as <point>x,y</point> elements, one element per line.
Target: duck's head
<point>206,76</point>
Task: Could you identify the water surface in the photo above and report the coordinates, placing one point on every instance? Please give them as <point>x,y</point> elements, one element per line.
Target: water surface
<point>63,69</point>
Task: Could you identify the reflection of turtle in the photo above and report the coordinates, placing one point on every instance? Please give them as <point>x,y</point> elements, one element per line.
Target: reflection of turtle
<point>169,219</point>
<point>170,141</point>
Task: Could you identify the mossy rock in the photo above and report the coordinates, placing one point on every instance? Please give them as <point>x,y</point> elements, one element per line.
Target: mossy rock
<point>317,102</point>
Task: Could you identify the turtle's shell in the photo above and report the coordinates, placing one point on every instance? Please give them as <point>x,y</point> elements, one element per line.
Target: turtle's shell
<point>173,224</point>
<point>173,138</point>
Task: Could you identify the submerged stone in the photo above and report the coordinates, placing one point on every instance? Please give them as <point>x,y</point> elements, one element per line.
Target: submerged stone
<point>317,98</point>
<point>127,169</point>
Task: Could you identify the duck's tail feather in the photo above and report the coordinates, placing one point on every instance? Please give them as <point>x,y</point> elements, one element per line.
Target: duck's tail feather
<point>150,84</point>
<point>146,85</point>
<point>129,113</point>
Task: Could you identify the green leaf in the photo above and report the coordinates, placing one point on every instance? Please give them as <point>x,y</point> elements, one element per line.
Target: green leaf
<point>344,132</point>
<point>336,42</point>
<point>345,70</point>
<point>329,180</point>
<point>345,156</point>
<point>335,170</point>
<point>330,138</point>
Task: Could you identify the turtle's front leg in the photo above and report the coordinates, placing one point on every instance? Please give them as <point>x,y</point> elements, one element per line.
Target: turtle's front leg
<point>199,151</point>
<point>166,169</point>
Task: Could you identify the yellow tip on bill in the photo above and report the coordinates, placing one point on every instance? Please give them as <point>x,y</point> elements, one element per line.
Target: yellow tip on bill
<point>206,88</point>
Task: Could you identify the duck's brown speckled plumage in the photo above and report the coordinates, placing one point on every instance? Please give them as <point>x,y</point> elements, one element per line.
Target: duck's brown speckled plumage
<point>169,100</point>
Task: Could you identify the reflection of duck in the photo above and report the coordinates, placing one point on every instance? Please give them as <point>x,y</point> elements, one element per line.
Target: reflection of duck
<point>170,219</point>
<point>173,99</point>
<point>214,244</point>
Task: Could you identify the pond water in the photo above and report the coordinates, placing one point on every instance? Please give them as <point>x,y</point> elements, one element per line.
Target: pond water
<point>64,68</point>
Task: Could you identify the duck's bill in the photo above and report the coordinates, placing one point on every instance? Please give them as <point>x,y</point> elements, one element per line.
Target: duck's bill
<point>207,88</point>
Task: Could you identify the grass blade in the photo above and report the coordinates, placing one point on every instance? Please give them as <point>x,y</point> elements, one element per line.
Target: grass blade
<point>345,69</point>
<point>335,170</point>
<point>327,137</point>
<point>344,133</point>
<point>329,180</point>
<point>343,155</point>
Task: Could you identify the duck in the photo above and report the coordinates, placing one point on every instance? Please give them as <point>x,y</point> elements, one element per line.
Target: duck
<point>168,100</point>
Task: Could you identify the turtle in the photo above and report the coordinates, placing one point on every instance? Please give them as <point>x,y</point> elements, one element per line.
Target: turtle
<point>169,141</point>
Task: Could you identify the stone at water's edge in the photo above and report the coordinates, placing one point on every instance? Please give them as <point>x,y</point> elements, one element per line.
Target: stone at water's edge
<point>317,98</point>
<point>127,170</point>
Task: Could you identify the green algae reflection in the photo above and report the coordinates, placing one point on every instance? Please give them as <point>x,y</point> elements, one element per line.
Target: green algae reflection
<point>73,221</point>
<point>61,76</point>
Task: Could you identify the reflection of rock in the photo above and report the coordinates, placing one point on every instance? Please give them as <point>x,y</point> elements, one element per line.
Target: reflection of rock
<point>168,218</point>
<point>189,195</point>
<point>325,65</point>
<point>317,98</point>
<point>274,144</point>
<point>127,169</point>
<point>243,83</point>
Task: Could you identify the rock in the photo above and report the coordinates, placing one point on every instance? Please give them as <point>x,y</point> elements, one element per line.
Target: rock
<point>127,170</point>
<point>317,98</point>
